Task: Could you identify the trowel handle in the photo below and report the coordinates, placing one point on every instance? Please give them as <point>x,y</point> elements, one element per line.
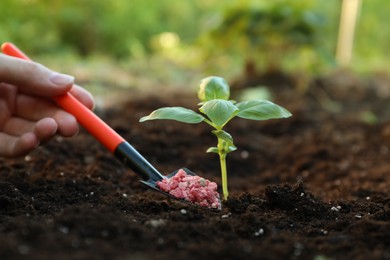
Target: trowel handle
<point>97,127</point>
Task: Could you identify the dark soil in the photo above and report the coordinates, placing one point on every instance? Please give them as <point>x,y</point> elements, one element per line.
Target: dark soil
<point>314,186</point>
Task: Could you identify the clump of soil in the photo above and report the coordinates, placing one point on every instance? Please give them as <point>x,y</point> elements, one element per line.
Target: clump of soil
<point>314,185</point>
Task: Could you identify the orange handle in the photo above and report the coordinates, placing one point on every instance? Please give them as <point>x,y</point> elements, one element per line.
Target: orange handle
<point>91,122</point>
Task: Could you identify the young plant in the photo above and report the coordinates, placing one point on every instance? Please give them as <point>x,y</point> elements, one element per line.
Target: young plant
<point>217,110</point>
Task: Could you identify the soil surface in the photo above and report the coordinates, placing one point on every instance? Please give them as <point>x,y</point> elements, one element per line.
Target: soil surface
<point>314,186</point>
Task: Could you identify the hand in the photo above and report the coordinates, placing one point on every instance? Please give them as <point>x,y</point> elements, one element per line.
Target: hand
<point>28,116</point>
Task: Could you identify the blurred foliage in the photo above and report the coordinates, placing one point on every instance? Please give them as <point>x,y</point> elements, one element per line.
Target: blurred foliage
<point>266,33</point>
<point>291,34</point>
<point>120,28</point>
<point>372,37</point>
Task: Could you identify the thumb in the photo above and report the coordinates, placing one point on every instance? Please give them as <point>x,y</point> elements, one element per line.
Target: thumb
<point>33,78</point>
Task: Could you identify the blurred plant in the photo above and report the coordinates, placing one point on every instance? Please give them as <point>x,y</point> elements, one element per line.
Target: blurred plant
<point>124,29</point>
<point>266,33</point>
<point>118,28</point>
<point>255,92</point>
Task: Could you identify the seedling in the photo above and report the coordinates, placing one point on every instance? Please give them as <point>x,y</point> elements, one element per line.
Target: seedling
<point>217,110</point>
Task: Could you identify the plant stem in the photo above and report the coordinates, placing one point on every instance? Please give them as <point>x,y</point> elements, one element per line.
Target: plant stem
<point>222,159</point>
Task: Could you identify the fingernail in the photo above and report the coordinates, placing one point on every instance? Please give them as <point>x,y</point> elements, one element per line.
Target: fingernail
<point>61,79</point>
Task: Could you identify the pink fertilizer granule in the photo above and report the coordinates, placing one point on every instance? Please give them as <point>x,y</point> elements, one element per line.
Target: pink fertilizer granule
<point>192,188</point>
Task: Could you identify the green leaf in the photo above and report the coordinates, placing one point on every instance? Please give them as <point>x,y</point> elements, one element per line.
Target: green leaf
<point>219,111</point>
<point>212,150</point>
<point>231,148</point>
<point>261,110</point>
<point>221,134</point>
<point>213,88</point>
<point>180,114</point>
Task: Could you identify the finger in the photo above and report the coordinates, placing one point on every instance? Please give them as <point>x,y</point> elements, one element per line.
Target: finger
<point>83,96</point>
<point>7,97</point>
<point>67,124</point>
<point>18,126</point>
<point>34,108</point>
<point>44,129</point>
<point>17,146</point>
<point>33,78</point>
<point>44,108</point>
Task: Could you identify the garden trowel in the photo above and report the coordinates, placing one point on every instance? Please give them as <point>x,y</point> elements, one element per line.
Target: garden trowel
<point>124,151</point>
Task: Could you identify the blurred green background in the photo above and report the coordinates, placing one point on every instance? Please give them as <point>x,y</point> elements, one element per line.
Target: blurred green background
<point>176,41</point>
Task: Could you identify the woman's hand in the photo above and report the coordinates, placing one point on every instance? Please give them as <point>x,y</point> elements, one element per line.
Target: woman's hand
<point>28,116</point>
